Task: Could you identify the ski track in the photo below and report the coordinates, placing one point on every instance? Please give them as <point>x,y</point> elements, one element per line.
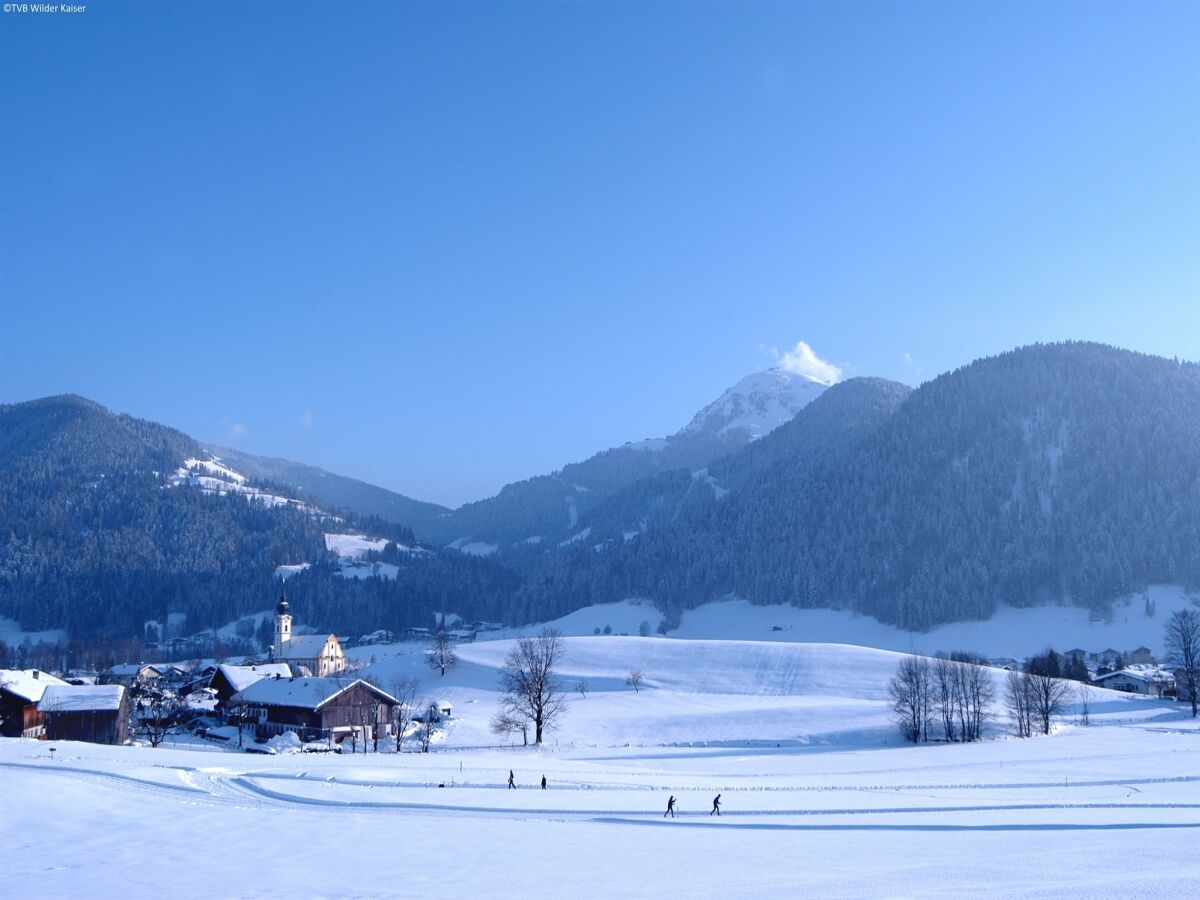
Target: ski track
<point>243,790</point>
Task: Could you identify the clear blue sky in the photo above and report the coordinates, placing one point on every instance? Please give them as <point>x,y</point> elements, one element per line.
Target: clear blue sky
<point>444,246</point>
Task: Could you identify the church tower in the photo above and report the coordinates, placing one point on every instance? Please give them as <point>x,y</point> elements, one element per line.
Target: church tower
<point>283,627</point>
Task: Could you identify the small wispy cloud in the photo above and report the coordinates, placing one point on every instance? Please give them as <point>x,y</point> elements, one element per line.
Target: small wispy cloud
<point>306,418</point>
<point>802,360</point>
<point>235,429</point>
<point>911,364</point>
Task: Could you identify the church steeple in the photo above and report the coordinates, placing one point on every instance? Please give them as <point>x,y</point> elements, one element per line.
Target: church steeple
<point>283,626</point>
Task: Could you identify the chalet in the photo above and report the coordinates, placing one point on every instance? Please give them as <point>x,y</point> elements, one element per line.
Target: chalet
<point>129,675</point>
<point>311,653</point>
<point>316,708</point>
<point>20,691</point>
<point>1126,680</point>
<point>97,713</point>
<point>228,680</point>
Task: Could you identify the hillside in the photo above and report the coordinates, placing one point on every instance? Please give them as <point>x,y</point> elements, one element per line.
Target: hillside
<point>1066,473</point>
<point>107,522</point>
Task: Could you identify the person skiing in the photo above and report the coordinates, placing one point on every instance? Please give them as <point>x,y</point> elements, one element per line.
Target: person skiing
<point>543,782</point>
<point>716,805</point>
<point>511,782</point>
<point>670,808</point>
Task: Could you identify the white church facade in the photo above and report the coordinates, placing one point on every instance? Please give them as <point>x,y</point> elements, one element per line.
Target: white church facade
<point>310,654</point>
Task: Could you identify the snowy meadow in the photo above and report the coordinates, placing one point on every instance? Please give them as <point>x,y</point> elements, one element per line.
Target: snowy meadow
<point>819,795</point>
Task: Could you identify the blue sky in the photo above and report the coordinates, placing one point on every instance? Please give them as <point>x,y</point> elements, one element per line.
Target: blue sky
<point>444,247</point>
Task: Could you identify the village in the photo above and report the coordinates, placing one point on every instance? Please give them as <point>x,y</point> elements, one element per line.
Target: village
<point>305,694</point>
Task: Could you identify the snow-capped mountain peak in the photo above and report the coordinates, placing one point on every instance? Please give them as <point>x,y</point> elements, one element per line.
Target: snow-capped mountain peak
<point>757,405</point>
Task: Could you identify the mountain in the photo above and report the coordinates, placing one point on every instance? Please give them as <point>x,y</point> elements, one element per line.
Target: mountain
<point>547,509</point>
<point>334,491</point>
<point>1064,473</point>
<point>108,522</point>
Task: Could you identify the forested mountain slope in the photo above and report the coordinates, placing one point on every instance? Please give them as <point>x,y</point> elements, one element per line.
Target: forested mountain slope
<point>108,521</point>
<point>1062,473</point>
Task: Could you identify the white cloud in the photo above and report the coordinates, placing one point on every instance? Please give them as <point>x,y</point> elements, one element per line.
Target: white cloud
<point>907,358</point>
<point>801,360</point>
<point>306,418</point>
<point>237,429</point>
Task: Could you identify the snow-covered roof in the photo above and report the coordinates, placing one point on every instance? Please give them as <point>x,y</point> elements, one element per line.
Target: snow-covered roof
<point>303,646</point>
<point>1144,675</point>
<point>128,669</point>
<point>241,677</point>
<point>303,693</point>
<point>81,698</point>
<point>28,684</point>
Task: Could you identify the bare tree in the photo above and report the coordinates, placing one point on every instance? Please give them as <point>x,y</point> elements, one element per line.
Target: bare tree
<point>1050,697</point>
<point>947,696</point>
<point>428,725</point>
<point>634,680</point>
<point>978,694</point>
<point>528,683</point>
<point>1083,697</point>
<point>505,724</point>
<point>441,654</point>
<point>1018,697</point>
<point>1182,640</point>
<point>157,709</point>
<point>910,692</point>
<point>404,689</point>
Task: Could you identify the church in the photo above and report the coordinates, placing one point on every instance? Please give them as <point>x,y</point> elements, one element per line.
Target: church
<point>307,654</point>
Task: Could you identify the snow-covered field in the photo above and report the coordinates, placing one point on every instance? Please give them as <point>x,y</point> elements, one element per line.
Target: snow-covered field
<point>1011,632</point>
<point>819,797</point>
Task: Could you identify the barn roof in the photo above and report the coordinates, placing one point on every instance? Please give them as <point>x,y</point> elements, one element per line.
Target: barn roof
<point>302,693</point>
<point>82,698</point>
<point>127,669</point>
<point>241,677</point>
<point>28,684</point>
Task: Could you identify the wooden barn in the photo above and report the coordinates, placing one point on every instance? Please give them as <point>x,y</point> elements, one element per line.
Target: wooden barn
<point>97,713</point>
<point>20,691</point>
<point>316,708</point>
<point>228,680</point>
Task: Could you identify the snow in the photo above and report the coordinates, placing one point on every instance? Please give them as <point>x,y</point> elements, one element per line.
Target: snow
<point>758,404</point>
<point>353,546</point>
<point>81,698</point>
<point>284,571</point>
<point>12,634</point>
<point>306,693</point>
<point>241,677</point>
<point>212,477</point>
<point>1011,632</point>
<point>576,537</point>
<point>819,796</point>
<point>28,683</point>
<point>474,548</point>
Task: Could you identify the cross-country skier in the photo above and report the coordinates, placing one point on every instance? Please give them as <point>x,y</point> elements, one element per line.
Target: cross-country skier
<point>670,808</point>
<point>716,805</point>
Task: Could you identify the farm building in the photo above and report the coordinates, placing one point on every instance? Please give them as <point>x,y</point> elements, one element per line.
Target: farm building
<point>129,675</point>
<point>228,680</point>
<point>98,713</point>
<point>316,708</point>
<point>20,691</point>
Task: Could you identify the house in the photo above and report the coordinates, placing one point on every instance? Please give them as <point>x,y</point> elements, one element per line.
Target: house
<point>382,636</point>
<point>316,708</point>
<point>417,634</point>
<point>461,635</point>
<point>98,713</point>
<point>228,680</point>
<point>312,653</point>
<point>20,691</point>
<point>129,675</point>
<point>1141,656</point>
<point>1126,680</point>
